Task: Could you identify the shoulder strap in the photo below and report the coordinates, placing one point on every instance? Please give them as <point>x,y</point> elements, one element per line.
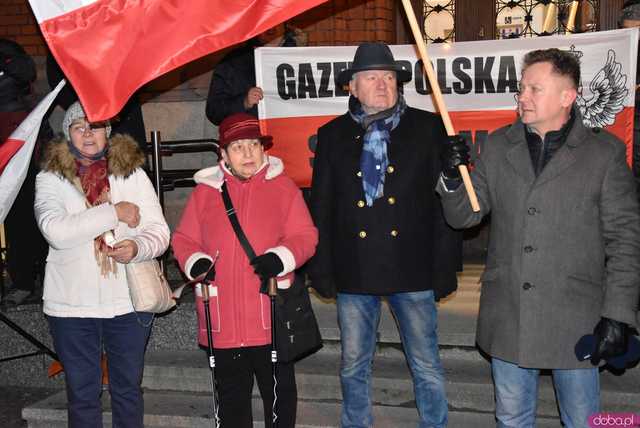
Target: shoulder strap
<point>233,218</point>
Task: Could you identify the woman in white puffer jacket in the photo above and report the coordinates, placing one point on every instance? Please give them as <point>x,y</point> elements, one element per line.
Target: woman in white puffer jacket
<point>98,211</point>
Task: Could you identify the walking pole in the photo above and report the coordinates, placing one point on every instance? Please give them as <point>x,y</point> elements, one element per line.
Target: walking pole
<point>273,292</point>
<point>212,358</point>
<point>439,100</point>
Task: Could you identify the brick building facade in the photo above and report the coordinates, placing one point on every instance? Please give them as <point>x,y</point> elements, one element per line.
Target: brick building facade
<point>336,22</point>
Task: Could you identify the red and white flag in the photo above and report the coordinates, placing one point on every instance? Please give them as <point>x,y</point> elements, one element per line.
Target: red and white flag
<point>16,151</point>
<point>110,48</point>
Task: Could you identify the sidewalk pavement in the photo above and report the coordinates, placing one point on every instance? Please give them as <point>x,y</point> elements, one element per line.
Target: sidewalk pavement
<point>14,398</point>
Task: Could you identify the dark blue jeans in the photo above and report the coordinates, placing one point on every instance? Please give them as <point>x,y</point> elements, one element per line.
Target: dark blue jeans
<point>79,343</point>
<point>416,316</point>
<point>516,389</point>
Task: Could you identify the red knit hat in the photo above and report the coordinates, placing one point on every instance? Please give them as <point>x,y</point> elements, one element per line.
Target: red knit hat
<point>242,126</point>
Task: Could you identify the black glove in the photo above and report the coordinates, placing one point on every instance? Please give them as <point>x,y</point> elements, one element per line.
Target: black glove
<point>611,339</point>
<point>455,153</point>
<point>267,266</point>
<point>200,267</point>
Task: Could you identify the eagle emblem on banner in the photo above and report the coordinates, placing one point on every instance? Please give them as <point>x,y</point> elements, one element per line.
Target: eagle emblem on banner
<point>608,90</point>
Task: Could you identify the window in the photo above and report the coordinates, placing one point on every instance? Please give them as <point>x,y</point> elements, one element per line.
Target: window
<point>439,21</point>
<point>531,18</point>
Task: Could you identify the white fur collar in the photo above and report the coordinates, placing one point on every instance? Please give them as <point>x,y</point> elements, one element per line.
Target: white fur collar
<point>214,175</point>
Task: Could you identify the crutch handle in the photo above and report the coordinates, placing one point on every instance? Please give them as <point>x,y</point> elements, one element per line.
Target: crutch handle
<point>273,287</point>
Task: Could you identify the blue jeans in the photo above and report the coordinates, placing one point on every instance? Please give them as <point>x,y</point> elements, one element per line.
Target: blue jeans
<point>516,388</point>
<point>78,342</point>
<point>416,316</point>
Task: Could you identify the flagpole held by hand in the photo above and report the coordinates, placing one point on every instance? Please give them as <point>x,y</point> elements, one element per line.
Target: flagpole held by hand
<point>439,100</point>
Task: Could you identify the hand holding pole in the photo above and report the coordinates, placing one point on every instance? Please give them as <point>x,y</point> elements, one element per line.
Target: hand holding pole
<point>439,100</point>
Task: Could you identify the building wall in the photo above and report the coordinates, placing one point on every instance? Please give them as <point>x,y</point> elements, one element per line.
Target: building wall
<point>174,103</point>
<point>336,22</point>
<point>18,23</point>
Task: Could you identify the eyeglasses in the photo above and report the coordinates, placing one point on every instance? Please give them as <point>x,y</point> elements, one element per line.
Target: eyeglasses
<point>89,128</point>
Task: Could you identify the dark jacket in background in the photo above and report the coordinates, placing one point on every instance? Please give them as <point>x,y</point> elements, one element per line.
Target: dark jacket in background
<point>402,242</point>
<point>235,74</point>
<point>27,249</point>
<point>17,71</point>
<point>232,78</point>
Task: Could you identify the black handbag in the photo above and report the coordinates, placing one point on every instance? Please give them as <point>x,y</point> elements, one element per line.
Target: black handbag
<point>297,331</point>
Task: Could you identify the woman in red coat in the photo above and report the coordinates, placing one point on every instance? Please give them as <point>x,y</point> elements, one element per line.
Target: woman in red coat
<point>278,226</point>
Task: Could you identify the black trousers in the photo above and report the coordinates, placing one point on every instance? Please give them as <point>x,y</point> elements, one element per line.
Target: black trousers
<point>235,371</point>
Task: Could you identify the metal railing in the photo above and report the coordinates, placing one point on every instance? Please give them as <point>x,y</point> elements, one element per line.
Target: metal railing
<point>165,180</point>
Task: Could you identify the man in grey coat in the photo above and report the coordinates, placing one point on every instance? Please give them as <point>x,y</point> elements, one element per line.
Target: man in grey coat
<point>564,252</point>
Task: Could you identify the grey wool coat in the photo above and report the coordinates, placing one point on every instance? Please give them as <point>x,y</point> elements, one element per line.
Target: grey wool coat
<point>564,247</point>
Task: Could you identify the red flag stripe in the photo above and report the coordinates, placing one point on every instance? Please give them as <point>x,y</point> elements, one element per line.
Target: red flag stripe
<point>111,48</point>
<point>9,148</point>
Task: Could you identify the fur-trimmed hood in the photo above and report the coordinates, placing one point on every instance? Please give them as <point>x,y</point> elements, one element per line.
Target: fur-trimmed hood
<point>124,156</point>
<point>214,175</point>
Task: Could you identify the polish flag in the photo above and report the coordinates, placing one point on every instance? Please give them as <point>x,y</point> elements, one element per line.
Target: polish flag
<point>16,151</point>
<point>110,48</point>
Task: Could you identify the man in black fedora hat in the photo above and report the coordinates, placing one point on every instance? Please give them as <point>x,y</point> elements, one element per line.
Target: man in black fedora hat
<point>382,233</point>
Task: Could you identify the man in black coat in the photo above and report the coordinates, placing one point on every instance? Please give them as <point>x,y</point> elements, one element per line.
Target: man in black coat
<point>382,232</point>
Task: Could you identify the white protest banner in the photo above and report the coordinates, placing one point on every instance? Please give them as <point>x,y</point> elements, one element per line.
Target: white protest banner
<point>479,81</point>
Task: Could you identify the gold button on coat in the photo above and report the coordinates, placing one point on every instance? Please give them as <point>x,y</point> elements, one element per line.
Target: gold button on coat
<point>394,233</point>
<point>359,173</point>
<point>391,200</point>
<point>360,204</point>
<point>390,169</point>
<point>362,234</point>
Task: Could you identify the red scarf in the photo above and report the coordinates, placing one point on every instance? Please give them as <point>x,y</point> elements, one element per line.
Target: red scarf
<point>94,179</point>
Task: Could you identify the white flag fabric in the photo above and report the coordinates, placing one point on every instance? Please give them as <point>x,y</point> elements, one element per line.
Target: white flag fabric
<point>24,137</point>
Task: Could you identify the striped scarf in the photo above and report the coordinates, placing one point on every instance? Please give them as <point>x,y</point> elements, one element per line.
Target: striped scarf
<point>374,160</point>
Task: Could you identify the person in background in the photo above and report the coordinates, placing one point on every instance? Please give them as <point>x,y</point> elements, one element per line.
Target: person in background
<point>278,226</point>
<point>233,83</point>
<point>564,254</point>
<point>26,246</point>
<point>382,232</point>
<point>98,211</point>
<point>129,121</point>
<point>630,18</point>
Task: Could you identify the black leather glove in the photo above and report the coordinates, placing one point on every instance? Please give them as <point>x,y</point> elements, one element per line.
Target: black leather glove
<point>200,267</point>
<point>455,153</point>
<point>611,339</point>
<point>267,266</point>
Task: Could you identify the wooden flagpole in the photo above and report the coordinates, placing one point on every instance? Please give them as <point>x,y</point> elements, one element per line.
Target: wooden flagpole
<point>439,100</point>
